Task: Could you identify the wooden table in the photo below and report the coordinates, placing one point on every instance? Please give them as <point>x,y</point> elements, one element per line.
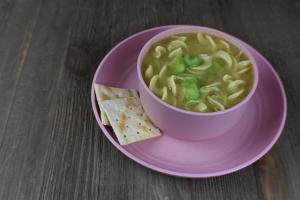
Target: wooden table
<point>50,144</point>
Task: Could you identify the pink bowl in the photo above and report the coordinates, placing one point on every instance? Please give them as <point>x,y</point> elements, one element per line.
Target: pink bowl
<point>184,124</point>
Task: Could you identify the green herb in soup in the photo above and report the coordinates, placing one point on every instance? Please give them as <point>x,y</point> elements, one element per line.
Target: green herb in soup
<point>197,72</point>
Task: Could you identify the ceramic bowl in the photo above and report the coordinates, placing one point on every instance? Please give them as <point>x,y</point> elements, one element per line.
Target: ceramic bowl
<point>185,124</point>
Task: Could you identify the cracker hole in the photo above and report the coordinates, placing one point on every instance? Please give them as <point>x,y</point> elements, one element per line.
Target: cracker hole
<point>137,132</point>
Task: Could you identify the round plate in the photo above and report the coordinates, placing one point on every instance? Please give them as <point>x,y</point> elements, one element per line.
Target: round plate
<point>255,134</point>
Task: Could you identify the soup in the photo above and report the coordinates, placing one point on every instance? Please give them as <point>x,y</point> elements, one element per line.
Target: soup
<point>197,72</point>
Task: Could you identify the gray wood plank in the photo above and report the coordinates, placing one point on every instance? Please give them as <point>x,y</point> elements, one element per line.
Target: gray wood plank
<point>278,40</point>
<point>15,41</point>
<point>34,71</point>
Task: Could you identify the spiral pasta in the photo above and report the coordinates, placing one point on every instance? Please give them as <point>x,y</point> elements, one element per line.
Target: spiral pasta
<point>198,72</point>
<point>175,52</point>
<point>175,44</point>
<point>159,50</point>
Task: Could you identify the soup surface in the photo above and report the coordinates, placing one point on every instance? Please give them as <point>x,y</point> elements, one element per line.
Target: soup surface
<point>197,72</point>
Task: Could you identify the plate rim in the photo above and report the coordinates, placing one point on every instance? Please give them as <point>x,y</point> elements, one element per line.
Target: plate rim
<point>183,174</point>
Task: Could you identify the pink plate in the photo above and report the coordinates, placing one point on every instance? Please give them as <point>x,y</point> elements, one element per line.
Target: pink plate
<point>249,140</point>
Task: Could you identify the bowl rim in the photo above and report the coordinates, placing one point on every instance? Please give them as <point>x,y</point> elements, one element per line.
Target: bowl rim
<point>210,31</point>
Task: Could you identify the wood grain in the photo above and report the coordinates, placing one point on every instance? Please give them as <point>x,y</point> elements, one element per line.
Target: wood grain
<point>50,144</point>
